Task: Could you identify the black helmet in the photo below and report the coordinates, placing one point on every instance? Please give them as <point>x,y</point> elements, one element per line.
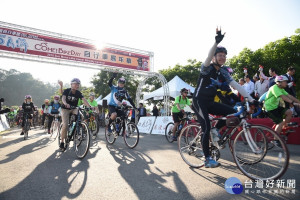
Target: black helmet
<point>220,49</point>
<point>183,90</point>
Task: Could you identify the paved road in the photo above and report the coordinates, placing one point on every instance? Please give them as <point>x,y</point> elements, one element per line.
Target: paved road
<point>35,169</point>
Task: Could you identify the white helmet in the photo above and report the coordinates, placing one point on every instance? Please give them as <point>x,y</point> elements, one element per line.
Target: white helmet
<point>281,78</point>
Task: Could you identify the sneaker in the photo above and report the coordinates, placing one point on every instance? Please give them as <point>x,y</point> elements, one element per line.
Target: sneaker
<point>22,133</point>
<point>211,163</point>
<point>174,138</point>
<point>62,147</point>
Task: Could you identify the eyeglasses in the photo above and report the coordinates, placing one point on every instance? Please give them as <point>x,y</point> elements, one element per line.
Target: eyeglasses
<point>185,92</point>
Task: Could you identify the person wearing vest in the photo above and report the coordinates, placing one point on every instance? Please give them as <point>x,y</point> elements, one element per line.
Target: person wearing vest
<point>54,109</point>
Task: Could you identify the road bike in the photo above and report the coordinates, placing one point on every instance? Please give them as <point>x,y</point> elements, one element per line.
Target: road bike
<point>78,132</point>
<point>129,131</point>
<point>248,143</point>
<point>183,122</point>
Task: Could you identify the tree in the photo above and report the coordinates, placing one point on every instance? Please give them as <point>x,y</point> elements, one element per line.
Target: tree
<point>297,31</point>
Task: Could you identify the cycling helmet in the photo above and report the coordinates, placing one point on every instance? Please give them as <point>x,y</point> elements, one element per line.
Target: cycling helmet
<point>56,97</point>
<point>122,80</point>
<point>75,80</point>
<point>220,49</point>
<point>92,94</point>
<point>27,97</point>
<point>281,78</point>
<point>46,101</point>
<point>183,90</point>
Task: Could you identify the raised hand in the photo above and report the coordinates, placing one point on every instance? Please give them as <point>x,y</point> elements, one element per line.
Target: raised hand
<point>219,37</point>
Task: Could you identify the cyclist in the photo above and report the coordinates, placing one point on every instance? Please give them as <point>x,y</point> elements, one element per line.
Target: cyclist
<point>54,109</point>
<point>274,104</point>
<point>45,109</point>
<point>93,103</point>
<point>118,94</point>
<point>28,108</point>
<point>70,99</point>
<point>213,75</point>
<point>178,109</point>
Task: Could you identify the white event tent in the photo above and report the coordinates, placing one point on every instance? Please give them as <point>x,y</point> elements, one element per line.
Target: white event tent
<point>99,100</point>
<point>175,85</point>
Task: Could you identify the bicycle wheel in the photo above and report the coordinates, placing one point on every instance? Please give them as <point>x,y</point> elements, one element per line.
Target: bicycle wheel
<point>131,135</point>
<point>26,129</point>
<point>111,134</point>
<point>59,135</point>
<point>253,157</point>
<point>54,129</point>
<point>82,140</point>
<point>189,145</point>
<point>169,132</point>
<point>93,125</point>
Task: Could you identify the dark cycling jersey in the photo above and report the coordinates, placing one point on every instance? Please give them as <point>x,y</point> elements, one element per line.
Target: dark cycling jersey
<point>206,89</point>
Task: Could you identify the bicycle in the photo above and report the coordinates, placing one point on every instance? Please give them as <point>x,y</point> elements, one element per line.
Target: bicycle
<point>121,124</point>
<point>26,125</point>
<point>183,122</point>
<point>93,124</point>
<point>78,132</point>
<point>55,126</point>
<point>248,144</point>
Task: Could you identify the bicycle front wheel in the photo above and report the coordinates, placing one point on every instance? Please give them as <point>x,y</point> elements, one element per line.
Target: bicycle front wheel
<point>93,125</point>
<point>131,135</point>
<point>26,129</point>
<point>81,140</point>
<point>110,133</point>
<point>255,159</point>
<point>190,147</point>
<point>54,129</point>
<point>169,132</point>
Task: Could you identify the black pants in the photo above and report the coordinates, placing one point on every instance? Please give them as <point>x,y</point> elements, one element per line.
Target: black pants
<point>43,118</point>
<point>202,109</point>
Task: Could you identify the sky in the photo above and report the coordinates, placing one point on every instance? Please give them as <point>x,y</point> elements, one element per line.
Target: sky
<point>174,30</point>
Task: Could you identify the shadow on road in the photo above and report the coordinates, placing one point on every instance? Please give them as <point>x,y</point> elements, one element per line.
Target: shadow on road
<point>136,170</point>
<point>61,175</point>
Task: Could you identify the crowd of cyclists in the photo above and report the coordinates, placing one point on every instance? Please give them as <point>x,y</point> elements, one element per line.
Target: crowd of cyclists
<point>216,93</point>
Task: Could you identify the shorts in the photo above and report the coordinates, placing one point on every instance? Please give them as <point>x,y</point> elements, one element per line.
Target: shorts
<point>113,109</point>
<point>277,115</point>
<point>177,117</point>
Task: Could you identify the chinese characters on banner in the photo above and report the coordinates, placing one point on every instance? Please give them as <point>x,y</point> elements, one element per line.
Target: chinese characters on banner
<point>39,45</point>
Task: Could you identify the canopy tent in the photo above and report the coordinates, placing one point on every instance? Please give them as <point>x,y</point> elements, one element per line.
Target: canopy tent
<point>175,85</point>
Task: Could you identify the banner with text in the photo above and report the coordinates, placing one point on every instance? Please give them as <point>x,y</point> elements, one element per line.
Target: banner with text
<point>51,47</point>
<point>145,124</point>
<point>160,125</point>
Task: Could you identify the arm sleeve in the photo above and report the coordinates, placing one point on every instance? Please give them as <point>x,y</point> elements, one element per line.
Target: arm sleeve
<point>110,81</point>
<point>263,76</point>
<point>210,55</point>
<point>240,89</point>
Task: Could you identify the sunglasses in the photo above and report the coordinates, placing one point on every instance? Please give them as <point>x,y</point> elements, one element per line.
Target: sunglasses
<point>185,92</point>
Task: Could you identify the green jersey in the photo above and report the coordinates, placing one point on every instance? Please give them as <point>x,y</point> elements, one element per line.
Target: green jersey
<point>93,103</point>
<point>182,103</point>
<point>273,97</point>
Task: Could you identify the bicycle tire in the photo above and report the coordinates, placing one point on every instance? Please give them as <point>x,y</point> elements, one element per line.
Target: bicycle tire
<point>169,132</point>
<point>82,140</point>
<point>131,135</point>
<point>110,136</point>
<point>54,129</point>
<point>190,147</point>
<point>264,168</point>
<point>26,129</point>
<point>59,135</point>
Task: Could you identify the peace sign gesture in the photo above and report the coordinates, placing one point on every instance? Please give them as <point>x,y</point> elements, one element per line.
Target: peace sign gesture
<point>219,37</point>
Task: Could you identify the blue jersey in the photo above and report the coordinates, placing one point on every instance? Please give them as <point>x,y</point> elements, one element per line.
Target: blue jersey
<point>118,94</point>
<point>54,108</point>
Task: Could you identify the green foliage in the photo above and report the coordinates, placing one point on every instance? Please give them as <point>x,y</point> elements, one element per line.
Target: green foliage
<point>297,30</point>
<point>15,85</point>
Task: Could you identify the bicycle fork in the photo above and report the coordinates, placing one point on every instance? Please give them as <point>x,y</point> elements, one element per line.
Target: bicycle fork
<point>255,149</point>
